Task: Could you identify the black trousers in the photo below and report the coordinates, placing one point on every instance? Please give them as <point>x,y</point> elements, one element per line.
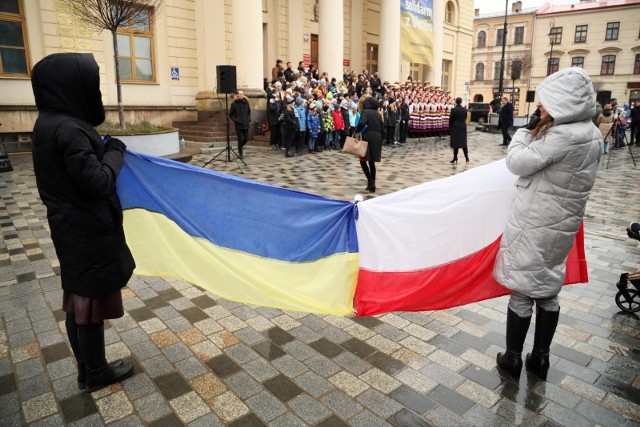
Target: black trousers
<point>276,135</point>
<point>243,137</point>
<point>635,133</point>
<point>506,138</point>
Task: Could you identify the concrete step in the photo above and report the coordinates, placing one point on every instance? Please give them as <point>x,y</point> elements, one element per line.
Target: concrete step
<point>187,133</point>
<point>264,138</point>
<point>258,143</point>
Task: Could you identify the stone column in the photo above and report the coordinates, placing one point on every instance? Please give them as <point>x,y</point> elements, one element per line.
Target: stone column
<point>357,35</point>
<point>331,38</point>
<point>438,35</point>
<point>389,57</point>
<point>210,35</point>
<point>246,28</point>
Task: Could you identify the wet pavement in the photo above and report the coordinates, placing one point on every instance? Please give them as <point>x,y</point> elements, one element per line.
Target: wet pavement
<point>201,360</point>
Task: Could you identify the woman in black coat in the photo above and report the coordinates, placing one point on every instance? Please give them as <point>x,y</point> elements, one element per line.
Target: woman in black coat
<point>370,127</point>
<point>458,130</point>
<point>76,175</point>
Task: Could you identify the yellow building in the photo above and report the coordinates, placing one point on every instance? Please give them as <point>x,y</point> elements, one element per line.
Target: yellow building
<point>170,64</point>
<point>601,37</point>
<point>487,53</point>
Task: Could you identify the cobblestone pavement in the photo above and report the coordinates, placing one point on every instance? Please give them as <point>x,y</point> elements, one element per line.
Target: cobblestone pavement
<point>200,360</point>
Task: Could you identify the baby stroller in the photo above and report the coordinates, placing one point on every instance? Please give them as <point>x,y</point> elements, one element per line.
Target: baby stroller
<point>627,298</point>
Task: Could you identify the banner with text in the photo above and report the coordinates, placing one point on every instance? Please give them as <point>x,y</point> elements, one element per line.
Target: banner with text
<point>416,31</point>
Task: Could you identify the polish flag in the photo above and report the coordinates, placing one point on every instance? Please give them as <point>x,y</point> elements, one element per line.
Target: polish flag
<point>433,246</point>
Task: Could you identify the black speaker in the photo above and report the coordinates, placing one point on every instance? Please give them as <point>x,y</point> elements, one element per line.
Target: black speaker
<point>226,78</point>
<point>531,95</point>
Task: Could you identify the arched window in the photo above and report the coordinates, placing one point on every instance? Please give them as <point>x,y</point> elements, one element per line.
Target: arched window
<point>450,13</point>
<point>482,39</point>
<point>479,71</point>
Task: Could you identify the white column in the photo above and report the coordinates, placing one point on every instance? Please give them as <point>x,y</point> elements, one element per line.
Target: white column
<point>246,26</point>
<point>438,35</point>
<point>357,35</point>
<point>330,38</point>
<point>389,56</point>
<point>209,36</point>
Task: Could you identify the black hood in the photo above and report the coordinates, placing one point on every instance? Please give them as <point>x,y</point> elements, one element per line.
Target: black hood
<point>69,83</point>
<point>370,103</point>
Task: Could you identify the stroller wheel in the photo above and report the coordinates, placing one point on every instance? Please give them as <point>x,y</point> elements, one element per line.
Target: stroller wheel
<point>630,305</point>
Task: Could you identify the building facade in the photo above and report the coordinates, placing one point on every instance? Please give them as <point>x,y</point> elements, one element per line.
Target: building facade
<point>169,65</point>
<point>487,55</point>
<point>603,37</point>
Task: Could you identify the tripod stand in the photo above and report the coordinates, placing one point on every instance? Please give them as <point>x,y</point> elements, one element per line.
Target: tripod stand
<point>228,150</point>
<point>614,132</point>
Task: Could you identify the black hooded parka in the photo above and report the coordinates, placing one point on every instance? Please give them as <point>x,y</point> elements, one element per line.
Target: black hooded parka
<point>76,175</point>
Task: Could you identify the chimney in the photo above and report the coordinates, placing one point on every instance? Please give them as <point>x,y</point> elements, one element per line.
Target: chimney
<point>516,6</point>
<point>476,12</point>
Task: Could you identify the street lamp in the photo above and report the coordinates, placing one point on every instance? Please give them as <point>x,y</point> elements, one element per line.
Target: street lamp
<point>504,43</point>
<point>552,41</point>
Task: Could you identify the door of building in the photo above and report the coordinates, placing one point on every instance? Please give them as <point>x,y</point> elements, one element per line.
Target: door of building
<point>314,50</point>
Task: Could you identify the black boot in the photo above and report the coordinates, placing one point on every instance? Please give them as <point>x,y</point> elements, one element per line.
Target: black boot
<point>372,168</point>
<point>72,334</point>
<point>517,328</point>
<point>99,373</point>
<point>367,174</point>
<point>537,362</point>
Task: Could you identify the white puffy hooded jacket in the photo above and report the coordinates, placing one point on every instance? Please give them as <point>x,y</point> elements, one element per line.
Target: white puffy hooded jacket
<point>556,171</point>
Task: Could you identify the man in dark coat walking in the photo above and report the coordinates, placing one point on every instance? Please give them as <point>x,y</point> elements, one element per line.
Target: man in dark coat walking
<point>505,120</point>
<point>240,115</point>
<point>76,175</point>
<point>458,130</point>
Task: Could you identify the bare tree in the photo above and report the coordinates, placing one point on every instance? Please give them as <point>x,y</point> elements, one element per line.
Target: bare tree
<point>518,67</point>
<point>110,15</point>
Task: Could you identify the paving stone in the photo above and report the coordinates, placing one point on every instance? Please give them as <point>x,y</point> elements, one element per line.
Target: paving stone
<point>228,407</point>
<point>308,409</point>
<point>114,406</point>
<point>478,393</point>
<point>378,403</point>
<point>191,368</point>
<point>450,399</point>
<point>189,407</point>
<point>243,385</point>
<point>287,420</point>
<point>31,387</point>
<point>172,385</point>
<point>406,418</point>
<point>207,420</point>
<point>39,407</point>
<point>266,406</point>
<point>152,407</point>
<point>138,385</point>
<point>341,404</point>
<point>366,418</point>
<point>442,375</point>
<point>313,384</point>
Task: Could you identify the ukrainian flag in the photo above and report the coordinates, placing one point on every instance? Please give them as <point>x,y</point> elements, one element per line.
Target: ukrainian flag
<point>239,239</point>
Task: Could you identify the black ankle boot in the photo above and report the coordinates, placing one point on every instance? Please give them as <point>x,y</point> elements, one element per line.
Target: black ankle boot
<point>99,373</point>
<point>511,360</point>
<point>537,362</point>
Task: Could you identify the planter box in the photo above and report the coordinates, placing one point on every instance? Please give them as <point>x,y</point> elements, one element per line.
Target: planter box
<point>155,144</point>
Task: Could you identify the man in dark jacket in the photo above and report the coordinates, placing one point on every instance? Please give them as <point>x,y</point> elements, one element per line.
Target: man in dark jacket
<point>635,123</point>
<point>505,120</point>
<point>240,115</point>
<point>289,74</point>
<point>76,175</point>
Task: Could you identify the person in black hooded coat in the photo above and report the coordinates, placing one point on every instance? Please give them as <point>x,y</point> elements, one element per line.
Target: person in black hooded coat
<point>370,127</point>
<point>76,175</point>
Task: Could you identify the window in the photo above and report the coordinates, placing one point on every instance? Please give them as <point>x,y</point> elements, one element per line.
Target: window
<point>499,37</point>
<point>581,34</point>
<point>449,16</point>
<point>555,35</point>
<point>480,71</point>
<point>612,31</point>
<point>496,70</point>
<point>608,64</point>
<point>577,61</point>
<point>13,46</point>
<point>518,37</point>
<point>482,39</point>
<point>135,48</point>
<point>636,64</point>
<point>446,67</point>
<point>553,65</point>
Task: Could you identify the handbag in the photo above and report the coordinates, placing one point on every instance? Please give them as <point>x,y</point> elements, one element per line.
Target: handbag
<point>355,146</point>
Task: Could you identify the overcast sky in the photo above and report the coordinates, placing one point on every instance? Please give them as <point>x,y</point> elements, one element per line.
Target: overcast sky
<point>492,6</point>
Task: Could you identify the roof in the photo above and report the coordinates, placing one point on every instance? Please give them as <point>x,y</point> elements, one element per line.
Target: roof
<point>548,9</point>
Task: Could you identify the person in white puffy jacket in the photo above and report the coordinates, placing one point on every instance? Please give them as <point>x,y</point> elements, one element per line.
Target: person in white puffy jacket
<point>556,163</point>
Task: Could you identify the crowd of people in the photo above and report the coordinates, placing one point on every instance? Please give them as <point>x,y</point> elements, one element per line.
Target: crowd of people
<point>310,111</point>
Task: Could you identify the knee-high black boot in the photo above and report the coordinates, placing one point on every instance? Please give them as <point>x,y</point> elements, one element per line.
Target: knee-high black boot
<point>517,328</point>
<point>99,373</point>
<point>367,173</point>
<point>372,168</point>
<point>537,362</point>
